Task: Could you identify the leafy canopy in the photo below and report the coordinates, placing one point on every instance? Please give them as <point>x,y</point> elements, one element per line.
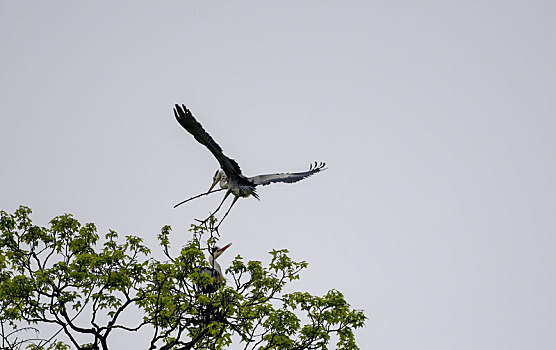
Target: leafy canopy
<point>78,290</point>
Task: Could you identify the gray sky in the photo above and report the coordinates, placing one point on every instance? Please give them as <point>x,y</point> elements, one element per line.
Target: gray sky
<point>436,120</point>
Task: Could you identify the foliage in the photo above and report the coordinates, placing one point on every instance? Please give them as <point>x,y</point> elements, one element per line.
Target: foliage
<point>86,288</point>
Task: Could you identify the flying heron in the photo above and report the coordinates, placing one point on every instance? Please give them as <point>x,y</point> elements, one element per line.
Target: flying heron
<point>229,175</point>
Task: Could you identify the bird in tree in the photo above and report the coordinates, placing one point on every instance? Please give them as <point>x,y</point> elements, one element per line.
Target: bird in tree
<point>215,271</point>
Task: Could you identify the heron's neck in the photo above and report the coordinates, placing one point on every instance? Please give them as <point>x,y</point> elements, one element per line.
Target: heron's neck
<point>214,264</point>
<point>224,182</point>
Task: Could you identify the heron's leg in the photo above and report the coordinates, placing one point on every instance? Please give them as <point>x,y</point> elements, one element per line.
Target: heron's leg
<point>234,202</point>
<point>219,206</point>
<point>225,196</point>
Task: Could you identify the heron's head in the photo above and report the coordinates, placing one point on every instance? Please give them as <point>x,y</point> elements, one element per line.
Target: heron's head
<point>218,175</point>
<point>217,251</point>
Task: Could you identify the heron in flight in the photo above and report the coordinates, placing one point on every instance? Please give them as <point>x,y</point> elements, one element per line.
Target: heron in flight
<point>229,175</point>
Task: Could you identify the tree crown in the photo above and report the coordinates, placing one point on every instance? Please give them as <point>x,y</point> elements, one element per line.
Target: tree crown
<point>79,290</point>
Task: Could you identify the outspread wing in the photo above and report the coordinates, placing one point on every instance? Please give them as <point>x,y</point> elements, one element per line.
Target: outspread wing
<point>287,177</point>
<point>185,118</point>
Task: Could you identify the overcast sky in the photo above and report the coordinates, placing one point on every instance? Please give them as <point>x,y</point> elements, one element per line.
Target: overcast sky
<point>436,120</point>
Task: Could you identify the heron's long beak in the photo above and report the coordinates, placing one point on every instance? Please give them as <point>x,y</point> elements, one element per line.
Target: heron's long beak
<point>221,250</point>
<point>213,184</point>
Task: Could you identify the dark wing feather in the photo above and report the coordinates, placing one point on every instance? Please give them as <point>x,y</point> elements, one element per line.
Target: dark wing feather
<point>287,177</point>
<point>185,118</point>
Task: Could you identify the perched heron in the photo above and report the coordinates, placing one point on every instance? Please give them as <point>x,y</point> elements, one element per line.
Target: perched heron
<point>229,175</point>
<point>214,271</point>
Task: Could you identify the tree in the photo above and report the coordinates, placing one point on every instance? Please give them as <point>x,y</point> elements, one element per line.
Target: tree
<point>63,278</point>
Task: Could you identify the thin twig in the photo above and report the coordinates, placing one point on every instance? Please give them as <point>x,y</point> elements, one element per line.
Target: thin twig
<point>197,196</point>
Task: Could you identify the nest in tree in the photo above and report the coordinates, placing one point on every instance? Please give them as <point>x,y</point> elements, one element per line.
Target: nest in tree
<point>210,285</point>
